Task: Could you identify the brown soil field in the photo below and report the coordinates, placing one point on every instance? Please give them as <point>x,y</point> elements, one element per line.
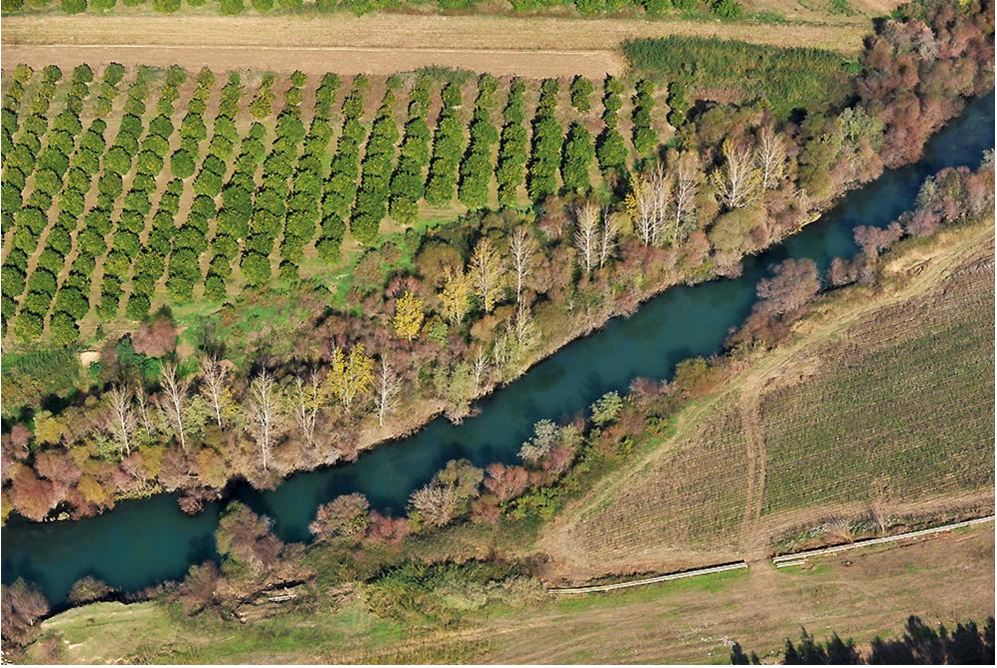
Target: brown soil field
<point>878,410</point>
<point>381,43</point>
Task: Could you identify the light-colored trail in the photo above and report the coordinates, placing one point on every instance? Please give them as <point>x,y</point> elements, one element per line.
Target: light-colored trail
<point>379,43</point>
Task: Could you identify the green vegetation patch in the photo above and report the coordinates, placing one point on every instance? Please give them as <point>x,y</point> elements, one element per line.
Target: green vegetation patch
<point>31,376</point>
<point>787,79</point>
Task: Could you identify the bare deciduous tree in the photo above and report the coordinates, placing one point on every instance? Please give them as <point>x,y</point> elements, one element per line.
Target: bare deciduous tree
<point>770,156</point>
<point>523,248</point>
<point>737,181</point>
<point>647,204</point>
<point>587,235</point>
<point>388,387</point>
<point>215,377</point>
<point>479,368</point>
<point>175,400</point>
<point>122,418</point>
<point>306,400</point>
<point>143,409</point>
<point>526,329</point>
<point>262,411</point>
<point>607,240</point>
<point>684,203</point>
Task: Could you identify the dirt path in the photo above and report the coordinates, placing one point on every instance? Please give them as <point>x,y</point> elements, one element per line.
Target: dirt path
<point>379,43</point>
<point>794,559</point>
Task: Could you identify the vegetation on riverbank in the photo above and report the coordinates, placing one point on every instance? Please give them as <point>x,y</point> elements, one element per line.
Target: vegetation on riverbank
<point>943,580</point>
<point>758,463</point>
<point>428,310</point>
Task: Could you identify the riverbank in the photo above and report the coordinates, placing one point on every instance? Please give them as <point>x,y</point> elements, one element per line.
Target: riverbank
<point>870,592</point>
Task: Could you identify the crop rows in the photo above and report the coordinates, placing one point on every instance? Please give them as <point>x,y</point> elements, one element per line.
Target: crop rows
<point>340,187</point>
<point>152,200</point>
<point>476,167</point>
<point>269,201</point>
<point>72,157</point>
<point>231,221</point>
<point>907,411</point>
<point>371,203</point>
<point>153,151</point>
<point>150,262</point>
<point>62,172</point>
<point>448,146</point>
<point>513,145</point>
<point>306,192</point>
<point>96,237</point>
<point>27,218</point>
<point>611,149</point>
<point>406,187</point>
<point>548,138</point>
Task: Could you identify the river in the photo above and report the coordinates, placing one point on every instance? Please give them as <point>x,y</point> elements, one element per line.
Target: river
<point>146,541</point>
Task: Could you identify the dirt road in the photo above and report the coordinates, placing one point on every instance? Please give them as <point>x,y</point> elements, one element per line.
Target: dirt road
<point>378,43</point>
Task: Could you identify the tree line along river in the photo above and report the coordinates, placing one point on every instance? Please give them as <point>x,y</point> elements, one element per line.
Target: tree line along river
<point>146,541</point>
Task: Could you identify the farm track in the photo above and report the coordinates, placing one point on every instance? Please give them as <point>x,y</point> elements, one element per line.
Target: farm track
<point>382,43</point>
<point>794,559</point>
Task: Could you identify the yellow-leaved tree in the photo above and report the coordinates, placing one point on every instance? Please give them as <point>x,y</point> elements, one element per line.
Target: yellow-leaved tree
<point>350,375</point>
<point>410,312</point>
<point>486,268</point>
<point>456,295</point>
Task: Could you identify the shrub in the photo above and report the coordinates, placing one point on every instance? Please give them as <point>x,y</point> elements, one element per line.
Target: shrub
<point>232,7</point>
<point>182,163</point>
<point>579,152</point>
<point>581,92</point>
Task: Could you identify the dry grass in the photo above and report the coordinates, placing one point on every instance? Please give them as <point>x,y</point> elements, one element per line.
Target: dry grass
<point>381,43</point>
<point>883,404</point>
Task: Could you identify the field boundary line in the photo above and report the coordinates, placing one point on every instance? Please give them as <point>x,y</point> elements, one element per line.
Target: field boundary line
<point>722,568</point>
<point>289,47</point>
<point>794,559</point>
<point>797,558</point>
